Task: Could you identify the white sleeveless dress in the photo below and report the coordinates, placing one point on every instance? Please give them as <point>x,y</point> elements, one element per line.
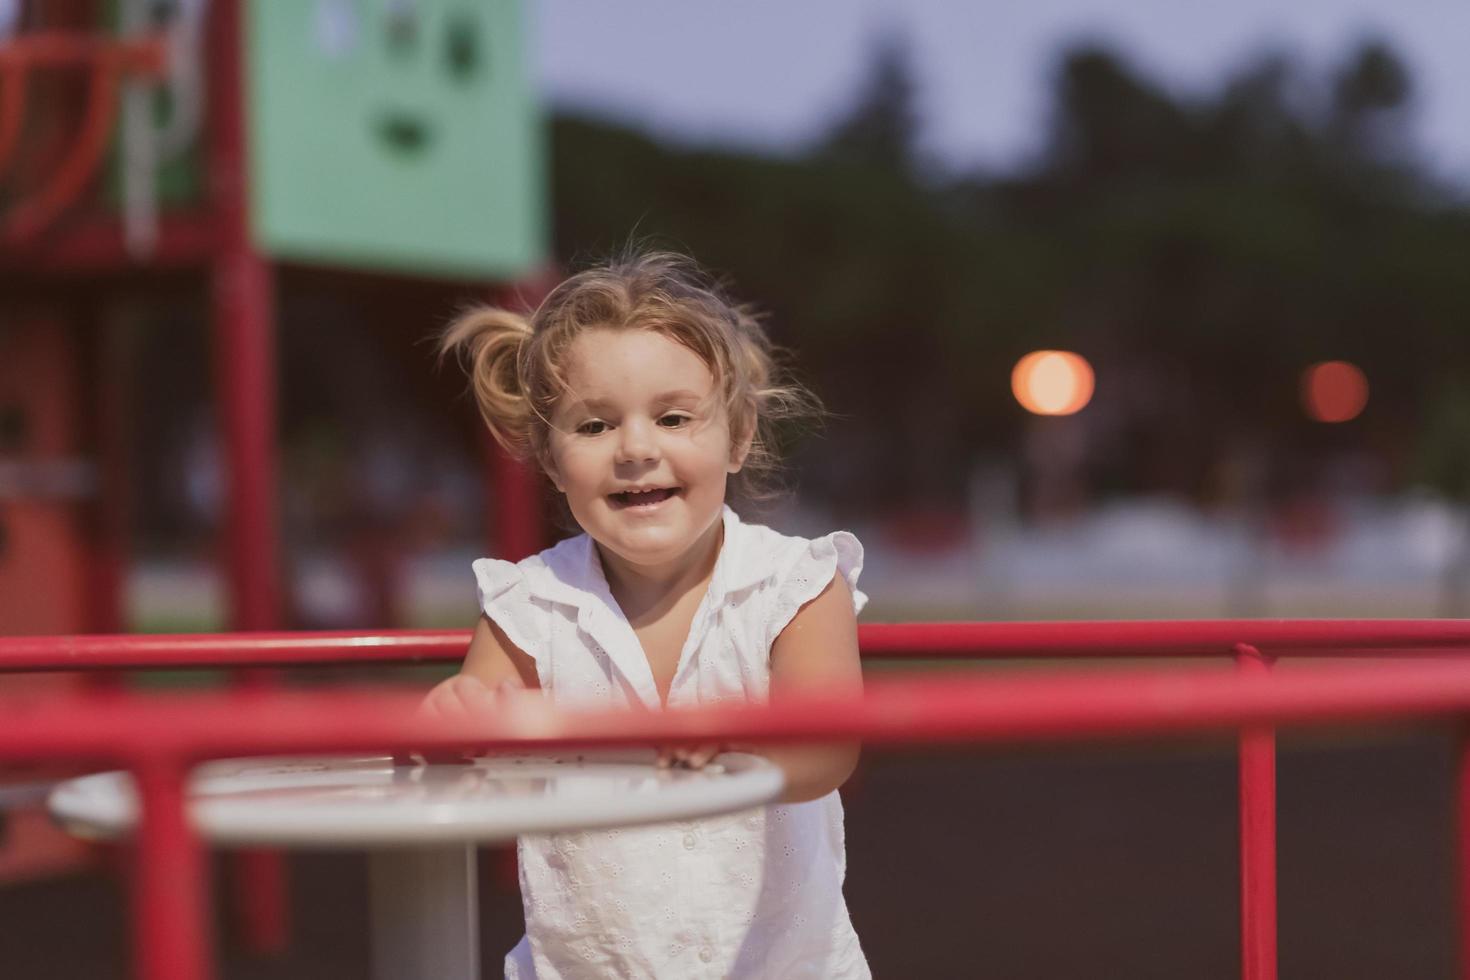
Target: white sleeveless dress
<point>750,895</point>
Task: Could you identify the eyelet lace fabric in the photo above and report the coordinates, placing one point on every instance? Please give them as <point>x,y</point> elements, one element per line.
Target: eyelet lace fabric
<point>747,895</point>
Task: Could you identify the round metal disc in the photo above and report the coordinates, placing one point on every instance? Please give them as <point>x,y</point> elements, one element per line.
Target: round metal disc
<point>327,802</point>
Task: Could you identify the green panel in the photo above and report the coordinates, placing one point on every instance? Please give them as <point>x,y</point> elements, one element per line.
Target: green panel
<point>396,134</point>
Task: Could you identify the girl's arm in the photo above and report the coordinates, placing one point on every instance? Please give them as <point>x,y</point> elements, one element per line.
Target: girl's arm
<point>492,658</point>
<point>817,652</point>
<point>493,664</point>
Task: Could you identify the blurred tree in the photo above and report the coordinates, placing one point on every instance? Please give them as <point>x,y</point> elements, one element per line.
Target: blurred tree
<point>1370,101</point>
<point>1108,123</point>
<point>1252,129</point>
<point>882,128</point>
<point>1201,252</point>
<point>1373,80</point>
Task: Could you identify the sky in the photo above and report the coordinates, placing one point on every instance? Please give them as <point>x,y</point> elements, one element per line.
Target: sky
<point>773,74</point>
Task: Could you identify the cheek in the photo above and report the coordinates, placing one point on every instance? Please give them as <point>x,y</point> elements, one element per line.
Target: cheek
<point>714,459</point>
<point>713,442</point>
<point>560,466</point>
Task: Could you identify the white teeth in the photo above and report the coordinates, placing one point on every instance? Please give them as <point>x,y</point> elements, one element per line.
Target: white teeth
<point>643,498</point>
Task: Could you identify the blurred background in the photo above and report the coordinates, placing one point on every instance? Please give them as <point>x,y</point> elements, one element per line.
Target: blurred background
<point>1207,207</point>
<point>1251,224</point>
<point>229,230</point>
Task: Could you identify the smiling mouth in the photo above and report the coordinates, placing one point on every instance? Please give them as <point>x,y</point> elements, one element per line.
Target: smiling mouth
<point>645,498</point>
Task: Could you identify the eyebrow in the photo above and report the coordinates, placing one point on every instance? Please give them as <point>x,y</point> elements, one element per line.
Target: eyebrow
<point>682,395</point>
<point>665,398</point>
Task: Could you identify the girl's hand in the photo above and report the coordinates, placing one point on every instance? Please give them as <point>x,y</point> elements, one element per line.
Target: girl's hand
<point>687,756</point>
<point>465,694</point>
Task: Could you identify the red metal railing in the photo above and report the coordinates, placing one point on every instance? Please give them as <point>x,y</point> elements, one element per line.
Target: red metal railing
<point>160,739</point>
<point>879,641</point>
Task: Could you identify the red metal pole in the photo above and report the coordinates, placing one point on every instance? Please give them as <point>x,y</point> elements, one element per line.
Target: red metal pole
<point>1171,638</point>
<point>245,377</point>
<point>515,505</point>
<point>1257,837</point>
<point>242,296</point>
<point>934,708</point>
<point>170,903</point>
<point>107,514</point>
<point>1462,834</point>
<point>1377,639</point>
<point>110,411</point>
<point>515,517</point>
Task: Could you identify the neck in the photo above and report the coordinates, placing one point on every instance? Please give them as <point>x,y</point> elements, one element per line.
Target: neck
<point>643,589</point>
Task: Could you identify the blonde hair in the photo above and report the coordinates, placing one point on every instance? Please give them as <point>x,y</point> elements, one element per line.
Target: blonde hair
<point>515,361</point>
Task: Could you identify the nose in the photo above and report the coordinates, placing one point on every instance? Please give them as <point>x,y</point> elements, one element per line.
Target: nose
<point>637,442</point>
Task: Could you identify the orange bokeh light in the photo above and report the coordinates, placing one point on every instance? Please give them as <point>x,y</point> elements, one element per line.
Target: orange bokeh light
<point>1334,391</point>
<point>1052,382</point>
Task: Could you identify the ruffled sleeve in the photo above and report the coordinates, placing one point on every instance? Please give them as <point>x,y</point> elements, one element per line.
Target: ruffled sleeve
<point>506,600</point>
<point>803,576</point>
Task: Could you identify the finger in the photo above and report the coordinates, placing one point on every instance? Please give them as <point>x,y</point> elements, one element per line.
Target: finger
<point>441,702</point>
<point>700,756</point>
<point>473,695</point>
<point>665,757</point>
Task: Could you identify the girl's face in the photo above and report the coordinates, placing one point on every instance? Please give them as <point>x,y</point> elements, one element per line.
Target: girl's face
<point>641,446</point>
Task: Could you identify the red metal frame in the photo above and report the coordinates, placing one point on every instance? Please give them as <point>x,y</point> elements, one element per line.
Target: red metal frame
<point>107,60</point>
<point>98,246</point>
<point>167,735</point>
<point>879,641</point>
<point>242,319</point>
<point>1257,761</point>
<point>159,737</point>
<point>1462,840</point>
<point>242,299</point>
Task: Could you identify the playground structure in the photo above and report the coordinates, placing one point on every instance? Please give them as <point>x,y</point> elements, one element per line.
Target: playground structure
<point>147,148</point>
<point>159,739</point>
<point>223,190</point>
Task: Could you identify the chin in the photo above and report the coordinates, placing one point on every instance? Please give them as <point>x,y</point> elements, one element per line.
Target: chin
<point>651,546</point>
<point>655,544</point>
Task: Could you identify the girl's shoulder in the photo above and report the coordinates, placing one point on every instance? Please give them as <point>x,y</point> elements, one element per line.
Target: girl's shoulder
<point>556,574</point>
<point>521,596</point>
<point>789,569</point>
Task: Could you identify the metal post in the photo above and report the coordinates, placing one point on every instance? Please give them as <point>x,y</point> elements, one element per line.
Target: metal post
<point>110,417</point>
<point>170,903</point>
<point>243,313</point>
<point>425,913</point>
<point>515,510</point>
<point>1257,837</point>
<point>515,518</point>
<point>1462,841</point>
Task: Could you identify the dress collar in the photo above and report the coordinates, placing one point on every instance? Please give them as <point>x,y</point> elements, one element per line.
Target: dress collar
<point>571,574</point>
<point>572,571</point>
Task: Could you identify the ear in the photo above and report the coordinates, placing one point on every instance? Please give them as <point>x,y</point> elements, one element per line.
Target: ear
<point>548,466</point>
<point>740,443</point>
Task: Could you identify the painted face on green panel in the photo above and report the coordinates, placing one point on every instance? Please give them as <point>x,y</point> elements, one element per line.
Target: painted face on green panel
<point>395,133</point>
<point>420,46</point>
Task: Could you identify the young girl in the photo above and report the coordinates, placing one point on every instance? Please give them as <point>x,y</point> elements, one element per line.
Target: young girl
<point>644,395</point>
